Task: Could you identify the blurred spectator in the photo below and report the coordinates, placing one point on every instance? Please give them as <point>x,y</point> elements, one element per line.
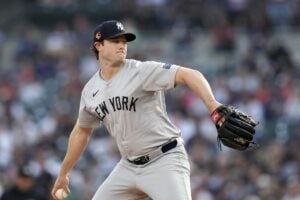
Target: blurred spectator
<point>293,192</point>
<point>6,146</point>
<point>280,13</point>
<point>24,187</point>
<point>237,12</point>
<point>224,37</point>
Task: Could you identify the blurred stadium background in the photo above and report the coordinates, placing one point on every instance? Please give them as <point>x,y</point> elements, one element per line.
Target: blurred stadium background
<point>248,49</point>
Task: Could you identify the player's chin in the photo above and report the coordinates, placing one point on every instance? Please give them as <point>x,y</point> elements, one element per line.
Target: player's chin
<point>121,56</point>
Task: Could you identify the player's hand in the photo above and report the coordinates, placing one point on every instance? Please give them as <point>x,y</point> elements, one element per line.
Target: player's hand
<point>61,182</point>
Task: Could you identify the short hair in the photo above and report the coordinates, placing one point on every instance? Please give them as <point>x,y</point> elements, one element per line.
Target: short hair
<point>95,51</point>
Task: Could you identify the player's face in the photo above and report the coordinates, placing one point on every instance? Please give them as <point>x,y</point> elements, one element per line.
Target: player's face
<point>114,50</point>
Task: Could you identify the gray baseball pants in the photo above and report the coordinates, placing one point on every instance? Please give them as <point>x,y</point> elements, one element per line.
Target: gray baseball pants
<point>166,177</point>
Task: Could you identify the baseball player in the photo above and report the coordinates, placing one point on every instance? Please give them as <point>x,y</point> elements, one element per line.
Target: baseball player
<point>127,97</point>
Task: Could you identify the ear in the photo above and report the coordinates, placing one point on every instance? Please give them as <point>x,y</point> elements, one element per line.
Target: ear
<point>98,45</point>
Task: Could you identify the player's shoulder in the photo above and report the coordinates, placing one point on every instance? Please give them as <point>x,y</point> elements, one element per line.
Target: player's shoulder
<point>139,64</point>
<point>90,83</point>
<point>132,63</point>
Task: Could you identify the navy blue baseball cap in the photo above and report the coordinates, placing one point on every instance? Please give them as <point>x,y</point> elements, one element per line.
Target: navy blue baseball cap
<point>111,29</point>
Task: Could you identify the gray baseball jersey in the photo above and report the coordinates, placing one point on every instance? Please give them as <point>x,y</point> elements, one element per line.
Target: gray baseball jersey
<point>131,106</point>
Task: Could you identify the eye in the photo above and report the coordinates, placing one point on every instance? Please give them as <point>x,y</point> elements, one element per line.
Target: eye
<point>122,41</point>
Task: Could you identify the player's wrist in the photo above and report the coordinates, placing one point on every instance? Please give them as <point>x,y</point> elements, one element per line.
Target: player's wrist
<point>213,106</point>
<point>64,174</point>
<point>217,113</point>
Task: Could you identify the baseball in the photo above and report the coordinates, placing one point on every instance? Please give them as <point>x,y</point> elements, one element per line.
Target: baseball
<point>61,194</point>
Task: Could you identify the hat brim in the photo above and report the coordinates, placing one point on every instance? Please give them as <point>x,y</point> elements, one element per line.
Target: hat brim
<point>129,36</point>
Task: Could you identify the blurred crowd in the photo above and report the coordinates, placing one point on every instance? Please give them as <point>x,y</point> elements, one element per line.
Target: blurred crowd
<point>247,49</point>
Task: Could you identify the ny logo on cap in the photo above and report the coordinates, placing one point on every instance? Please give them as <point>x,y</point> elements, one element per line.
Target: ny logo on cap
<point>120,26</point>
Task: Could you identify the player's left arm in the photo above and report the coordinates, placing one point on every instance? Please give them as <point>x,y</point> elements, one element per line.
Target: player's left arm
<point>196,81</point>
<point>235,128</point>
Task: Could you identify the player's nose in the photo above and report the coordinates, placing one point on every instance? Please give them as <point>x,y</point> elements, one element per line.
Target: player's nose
<point>121,46</point>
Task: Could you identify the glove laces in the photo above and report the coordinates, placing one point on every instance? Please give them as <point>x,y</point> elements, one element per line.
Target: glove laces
<point>252,145</point>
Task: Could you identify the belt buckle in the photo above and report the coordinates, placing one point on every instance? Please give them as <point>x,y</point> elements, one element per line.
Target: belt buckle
<point>163,149</point>
<point>141,160</point>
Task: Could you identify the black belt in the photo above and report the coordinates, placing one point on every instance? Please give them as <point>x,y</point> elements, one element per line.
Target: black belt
<point>145,159</point>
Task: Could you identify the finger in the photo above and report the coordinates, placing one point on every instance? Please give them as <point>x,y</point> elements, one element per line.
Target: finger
<point>241,124</point>
<point>55,188</point>
<point>245,118</point>
<point>53,195</point>
<point>239,131</point>
<point>67,189</point>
